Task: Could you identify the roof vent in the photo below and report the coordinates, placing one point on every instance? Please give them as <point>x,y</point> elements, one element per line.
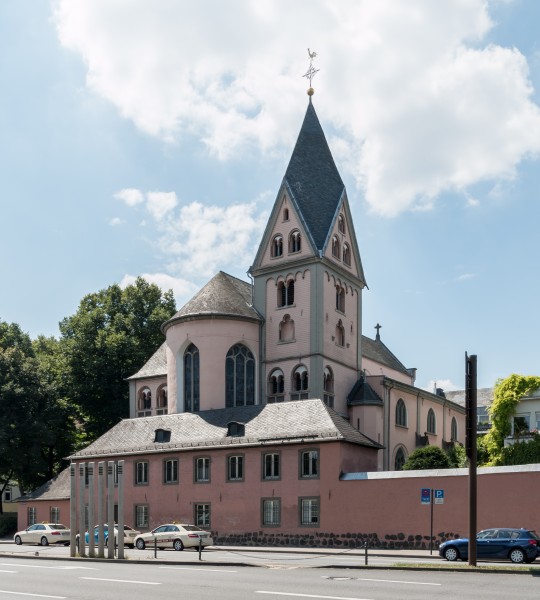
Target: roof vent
<point>440,392</point>
<point>162,436</point>
<point>235,429</point>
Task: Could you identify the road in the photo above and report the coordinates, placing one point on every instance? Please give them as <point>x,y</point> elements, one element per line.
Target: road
<point>63,579</point>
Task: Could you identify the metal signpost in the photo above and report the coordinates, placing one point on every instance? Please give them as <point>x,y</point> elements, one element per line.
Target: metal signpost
<point>431,496</point>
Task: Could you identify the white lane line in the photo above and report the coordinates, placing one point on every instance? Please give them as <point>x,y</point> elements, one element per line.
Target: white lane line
<point>309,595</point>
<point>59,568</point>
<point>199,569</point>
<point>395,581</point>
<point>122,580</point>
<point>2,571</point>
<point>34,595</point>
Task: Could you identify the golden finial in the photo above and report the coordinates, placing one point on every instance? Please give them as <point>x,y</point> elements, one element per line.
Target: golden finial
<point>310,73</point>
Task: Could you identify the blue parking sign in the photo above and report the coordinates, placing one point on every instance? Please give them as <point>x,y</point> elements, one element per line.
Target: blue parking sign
<point>425,496</point>
<point>438,496</point>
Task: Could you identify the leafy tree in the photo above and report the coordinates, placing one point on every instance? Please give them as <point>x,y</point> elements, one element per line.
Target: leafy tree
<point>112,334</point>
<point>457,457</point>
<point>427,457</point>
<point>506,396</point>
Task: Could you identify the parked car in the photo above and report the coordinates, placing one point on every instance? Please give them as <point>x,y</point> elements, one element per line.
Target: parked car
<point>518,545</point>
<point>174,535</point>
<point>44,534</point>
<point>129,535</point>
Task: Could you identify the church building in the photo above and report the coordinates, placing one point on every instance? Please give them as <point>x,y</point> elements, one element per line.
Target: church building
<point>265,396</point>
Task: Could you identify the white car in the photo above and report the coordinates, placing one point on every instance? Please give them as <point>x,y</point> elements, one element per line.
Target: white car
<point>44,534</point>
<point>174,535</point>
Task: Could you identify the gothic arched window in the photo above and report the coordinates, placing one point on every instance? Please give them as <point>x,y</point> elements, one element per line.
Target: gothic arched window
<point>341,224</point>
<point>239,377</point>
<point>191,379</point>
<point>340,334</point>
<point>453,430</point>
<point>277,246</point>
<point>340,298</point>
<point>286,293</point>
<point>335,247</point>
<point>400,459</point>
<point>144,403</point>
<point>347,254</point>
<point>431,423</point>
<point>401,413</point>
<point>276,386</point>
<point>300,383</point>
<point>295,242</point>
<point>328,386</point>
<point>162,400</point>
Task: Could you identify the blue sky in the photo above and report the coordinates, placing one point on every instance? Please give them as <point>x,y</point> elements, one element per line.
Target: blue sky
<point>151,138</point>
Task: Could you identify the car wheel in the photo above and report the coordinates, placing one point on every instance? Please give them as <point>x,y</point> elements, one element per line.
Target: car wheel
<point>18,540</point>
<point>140,544</point>
<point>44,541</point>
<point>177,545</point>
<point>451,553</point>
<point>517,555</point>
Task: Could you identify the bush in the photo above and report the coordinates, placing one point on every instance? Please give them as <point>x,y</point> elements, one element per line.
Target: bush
<point>8,524</point>
<point>427,457</point>
<point>521,453</point>
<point>457,457</point>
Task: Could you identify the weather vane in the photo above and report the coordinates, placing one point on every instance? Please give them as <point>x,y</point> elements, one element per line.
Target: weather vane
<point>310,73</point>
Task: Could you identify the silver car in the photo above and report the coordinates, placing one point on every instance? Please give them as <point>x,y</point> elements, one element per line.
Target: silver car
<point>174,535</point>
<point>44,534</point>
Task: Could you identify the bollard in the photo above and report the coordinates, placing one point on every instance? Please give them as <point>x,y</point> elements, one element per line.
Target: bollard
<point>200,548</point>
<point>155,546</point>
<point>366,555</point>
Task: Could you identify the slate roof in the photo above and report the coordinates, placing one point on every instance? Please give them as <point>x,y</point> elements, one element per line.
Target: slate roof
<point>363,393</point>
<point>155,366</point>
<point>377,351</point>
<point>223,296</point>
<point>313,179</point>
<point>484,396</point>
<point>57,488</point>
<point>287,422</point>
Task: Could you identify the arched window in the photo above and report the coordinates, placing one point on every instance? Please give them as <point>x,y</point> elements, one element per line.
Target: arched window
<point>286,329</point>
<point>453,430</point>
<point>340,298</point>
<point>340,334</point>
<point>347,254</point>
<point>286,293</point>
<point>335,247</point>
<point>401,413</point>
<point>328,386</point>
<point>285,214</point>
<point>144,403</point>
<point>431,424</point>
<point>341,224</point>
<point>162,400</point>
<point>191,379</point>
<point>276,386</point>
<point>239,377</point>
<point>400,459</point>
<point>295,242</point>
<point>300,383</point>
<point>277,246</point>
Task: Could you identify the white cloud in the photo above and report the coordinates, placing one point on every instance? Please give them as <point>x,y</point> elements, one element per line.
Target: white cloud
<point>466,276</point>
<point>160,203</point>
<point>115,221</point>
<point>130,196</point>
<point>419,104</point>
<point>444,384</point>
<point>182,289</point>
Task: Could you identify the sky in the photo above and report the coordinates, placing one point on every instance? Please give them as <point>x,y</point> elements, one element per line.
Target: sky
<point>151,138</point>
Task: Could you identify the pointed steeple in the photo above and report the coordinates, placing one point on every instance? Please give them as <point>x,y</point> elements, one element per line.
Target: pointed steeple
<point>313,179</point>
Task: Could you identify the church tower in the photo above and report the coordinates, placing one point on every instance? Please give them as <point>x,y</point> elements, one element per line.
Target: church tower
<point>308,281</point>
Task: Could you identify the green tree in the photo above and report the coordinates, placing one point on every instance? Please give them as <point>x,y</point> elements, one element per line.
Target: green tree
<point>457,457</point>
<point>427,457</point>
<point>112,334</point>
<point>506,396</point>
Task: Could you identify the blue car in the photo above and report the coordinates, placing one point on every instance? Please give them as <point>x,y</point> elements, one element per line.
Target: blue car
<point>518,545</point>
<point>129,535</point>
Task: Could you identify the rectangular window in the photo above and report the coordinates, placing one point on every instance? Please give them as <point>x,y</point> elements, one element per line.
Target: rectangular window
<point>271,464</point>
<point>538,421</point>
<point>7,495</point>
<point>141,516</point>
<point>521,425</point>
<point>141,473</point>
<point>32,515</point>
<point>170,471</point>
<point>235,471</point>
<point>55,514</point>
<point>309,512</point>
<point>309,464</point>
<point>202,469</point>
<point>271,512</point>
<point>202,515</point>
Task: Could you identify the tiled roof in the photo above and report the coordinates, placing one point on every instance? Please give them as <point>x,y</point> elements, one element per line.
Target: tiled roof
<point>224,296</point>
<point>57,488</point>
<point>313,179</point>
<point>155,366</point>
<point>288,422</point>
<point>375,350</point>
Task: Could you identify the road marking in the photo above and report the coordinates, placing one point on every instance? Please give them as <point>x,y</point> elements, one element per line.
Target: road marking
<point>395,581</point>
<point>2,571</point>
<point>61,568</point>
<point>122,580</point>
<point>34,595</point>
<point>199,569</point>
<point>309,595</point>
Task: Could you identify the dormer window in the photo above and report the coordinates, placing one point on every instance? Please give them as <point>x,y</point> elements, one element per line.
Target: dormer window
<point>341,224</point>
<point>236,429</point>
<point>277,246</point>
<point>162,436</point>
